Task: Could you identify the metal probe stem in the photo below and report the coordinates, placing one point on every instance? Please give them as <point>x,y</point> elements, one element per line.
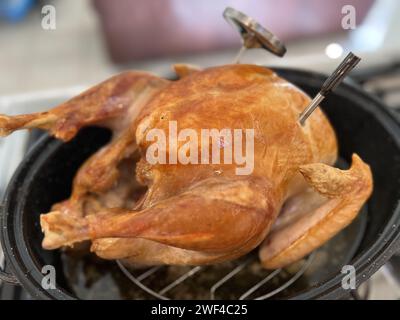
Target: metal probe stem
<point>330,84</point>
<point>239,55</point>
<point>310,108</point>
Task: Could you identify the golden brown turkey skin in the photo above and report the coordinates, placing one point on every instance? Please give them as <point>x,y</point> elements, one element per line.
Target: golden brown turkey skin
<point>206,213</point>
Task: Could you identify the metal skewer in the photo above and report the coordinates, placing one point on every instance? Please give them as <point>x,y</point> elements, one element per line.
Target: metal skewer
<point>253,34</point>
<point>239,55</point>
<point>330,84</point>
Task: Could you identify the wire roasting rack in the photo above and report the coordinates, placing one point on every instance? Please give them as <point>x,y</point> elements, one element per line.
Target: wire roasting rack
<point>251,290</point>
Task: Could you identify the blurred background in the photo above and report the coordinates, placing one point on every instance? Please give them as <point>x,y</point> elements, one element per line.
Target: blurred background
<point>93,39</point>
<point>44,62</point>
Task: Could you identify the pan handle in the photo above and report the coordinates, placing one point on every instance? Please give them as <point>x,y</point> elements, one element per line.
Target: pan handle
<point>8,277</point>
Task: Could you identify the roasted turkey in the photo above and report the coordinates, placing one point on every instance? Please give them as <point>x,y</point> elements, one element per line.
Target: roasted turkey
<point>292,202</point>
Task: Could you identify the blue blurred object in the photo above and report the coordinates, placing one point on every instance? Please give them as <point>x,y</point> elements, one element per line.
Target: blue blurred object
<point>15,10</point>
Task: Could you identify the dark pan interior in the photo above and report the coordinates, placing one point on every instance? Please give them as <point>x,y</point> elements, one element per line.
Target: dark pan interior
<point>45,177</point>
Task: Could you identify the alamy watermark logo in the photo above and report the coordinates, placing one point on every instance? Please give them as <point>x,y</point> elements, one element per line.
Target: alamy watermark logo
<point>49,17</point>
<point>49,277</point>
<point>188,147</point>
<point>349,278</point>
<point>349,18</point>
<point>349,22</point>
